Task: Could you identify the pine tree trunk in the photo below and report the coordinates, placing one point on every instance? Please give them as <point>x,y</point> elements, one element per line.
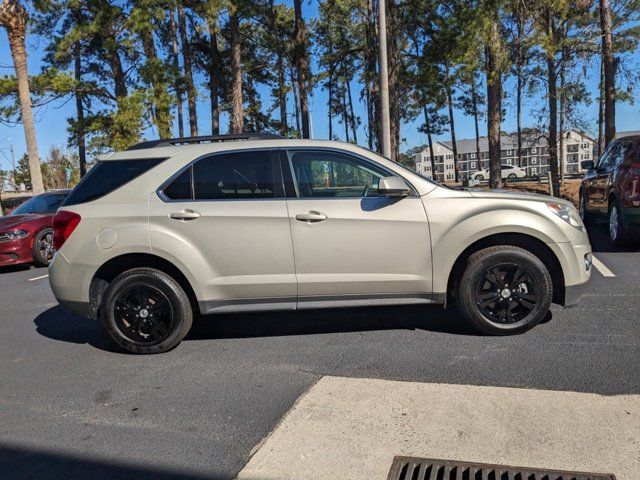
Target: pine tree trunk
<point>158,85</point>
<point>188,74</point>
<point>552,136</point>
<point>494,103</point>
<point>302,65</point>
<point>330,106</point>
<point>562,102</point>
<point>345,115</point>
<point>352,118</point>
<point>176,66</point>
<point>601,111</point>
<point>79,96</point>
<point>452,127</point>
<point>476,122</point>
<point>296,99</point>
<point>432,157</point>
<point>371,76</point>
<point>215,66</point>
<point>393,66</point>
<point>19,55</point>
<point>519,83</point>
<point>237,109</point>
<point>609,73</point>
<point>282,91</point>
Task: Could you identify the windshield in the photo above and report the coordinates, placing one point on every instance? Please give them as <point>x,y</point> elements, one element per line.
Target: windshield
<point>47,203</point>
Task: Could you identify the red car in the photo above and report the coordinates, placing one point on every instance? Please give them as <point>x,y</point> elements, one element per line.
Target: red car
<point>611,189</point>
<point>26,235</point>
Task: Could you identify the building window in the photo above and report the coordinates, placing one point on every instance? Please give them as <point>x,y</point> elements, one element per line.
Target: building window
<point>472,165</point>
<point>534,150</point>
<point>534,171</point>
<point>449,157</point>
<point>585,145</point>
<point>472,155</point>
<point>534,160</point>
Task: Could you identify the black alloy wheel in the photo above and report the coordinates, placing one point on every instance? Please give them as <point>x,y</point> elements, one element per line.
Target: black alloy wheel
<point>146,311</point>
<point>504,289</point>
<point>506,293</point>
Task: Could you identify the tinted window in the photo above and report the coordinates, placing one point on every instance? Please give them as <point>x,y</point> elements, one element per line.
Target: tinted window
<point>47,203</point>
<point>180,188</point>
<point>105,177</point>
<point>234,175</point>
<point>329,174</point>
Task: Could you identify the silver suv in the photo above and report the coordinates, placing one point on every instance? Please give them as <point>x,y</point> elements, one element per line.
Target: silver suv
<point>168,229</point>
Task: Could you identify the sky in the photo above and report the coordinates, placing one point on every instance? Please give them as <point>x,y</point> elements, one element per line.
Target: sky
<point>51,124</point>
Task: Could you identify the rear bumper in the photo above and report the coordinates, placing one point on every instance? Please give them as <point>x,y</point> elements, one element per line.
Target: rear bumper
<point>70,284</point>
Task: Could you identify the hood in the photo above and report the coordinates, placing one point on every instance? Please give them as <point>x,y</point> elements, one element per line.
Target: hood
<point>515,195</point>
<point>11,221</point>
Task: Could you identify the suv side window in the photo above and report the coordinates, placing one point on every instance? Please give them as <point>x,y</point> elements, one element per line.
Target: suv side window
<point>326,174</point>
<point>608,156</point>
<point>234,175</point>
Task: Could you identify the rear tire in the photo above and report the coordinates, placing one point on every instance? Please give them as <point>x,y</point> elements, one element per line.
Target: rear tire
<point>479,178</point>
<point>618,234</point>
<point>43,248</point>
<point>146,311</point>
<point>511,176</point>
<point>504,290</point>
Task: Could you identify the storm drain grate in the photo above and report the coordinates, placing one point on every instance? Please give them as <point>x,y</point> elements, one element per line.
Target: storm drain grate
<point>410,468</point>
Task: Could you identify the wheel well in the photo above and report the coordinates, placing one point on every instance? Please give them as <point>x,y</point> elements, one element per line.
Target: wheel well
<point>527,242</point>
<point>114,267</point>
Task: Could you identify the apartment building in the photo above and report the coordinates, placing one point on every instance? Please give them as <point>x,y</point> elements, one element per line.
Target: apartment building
<point>535,155</point>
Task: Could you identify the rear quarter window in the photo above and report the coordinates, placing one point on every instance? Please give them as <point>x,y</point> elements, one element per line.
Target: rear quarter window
<point>105,177</point>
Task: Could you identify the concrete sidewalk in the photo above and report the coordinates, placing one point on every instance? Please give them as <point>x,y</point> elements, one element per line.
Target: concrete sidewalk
<point>352,428</point>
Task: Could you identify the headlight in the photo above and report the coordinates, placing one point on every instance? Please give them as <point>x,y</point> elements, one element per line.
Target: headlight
<point>12,235</point>
<point>568,213</point>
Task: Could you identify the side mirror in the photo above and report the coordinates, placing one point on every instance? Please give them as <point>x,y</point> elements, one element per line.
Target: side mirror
<point>393,187</point>
<point>587,164</point>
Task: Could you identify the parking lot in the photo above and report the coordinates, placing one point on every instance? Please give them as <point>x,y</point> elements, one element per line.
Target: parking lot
<point>73,406</point>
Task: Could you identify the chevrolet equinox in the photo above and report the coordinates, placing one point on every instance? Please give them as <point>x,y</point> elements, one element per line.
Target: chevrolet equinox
<point>169,229</point>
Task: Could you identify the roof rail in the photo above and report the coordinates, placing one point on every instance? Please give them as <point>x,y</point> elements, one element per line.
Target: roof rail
<point>168,142</point>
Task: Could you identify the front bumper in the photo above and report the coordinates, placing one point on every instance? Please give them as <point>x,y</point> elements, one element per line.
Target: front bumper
<point>573,294</point>
<point>16,252</point>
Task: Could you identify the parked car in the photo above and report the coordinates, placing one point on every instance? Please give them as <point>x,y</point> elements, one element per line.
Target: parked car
<point>26,235</point>
<point>153,235</point>
<point>506,171</point>
<point>610,189</point>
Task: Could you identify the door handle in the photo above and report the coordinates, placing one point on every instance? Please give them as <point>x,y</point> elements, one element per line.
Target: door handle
<point>184,215</point>
<point>311,217</point>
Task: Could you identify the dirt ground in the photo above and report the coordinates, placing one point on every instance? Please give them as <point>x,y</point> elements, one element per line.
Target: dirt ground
<point>569,189</point>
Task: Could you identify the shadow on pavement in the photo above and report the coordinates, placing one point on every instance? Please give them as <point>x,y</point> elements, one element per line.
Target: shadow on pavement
<point>26,464</point>
<point>310,322</point>
<point>15,268</point>
<point>599,238</point>
<point>58,324</point>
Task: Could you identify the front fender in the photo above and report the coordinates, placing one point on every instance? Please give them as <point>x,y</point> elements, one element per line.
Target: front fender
<point>456,224</point>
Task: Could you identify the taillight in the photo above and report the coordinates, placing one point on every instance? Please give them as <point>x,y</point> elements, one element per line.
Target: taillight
<point>64,223</point>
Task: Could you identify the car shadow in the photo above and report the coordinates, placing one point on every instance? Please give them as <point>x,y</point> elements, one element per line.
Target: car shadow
<point>16,268</point>
<point>59,324</point>
<point>599,238</point>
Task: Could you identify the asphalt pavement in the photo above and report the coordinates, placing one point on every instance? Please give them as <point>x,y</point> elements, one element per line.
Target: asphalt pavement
<point>74,406</point>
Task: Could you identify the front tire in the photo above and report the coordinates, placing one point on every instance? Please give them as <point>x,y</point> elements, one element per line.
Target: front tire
<point>146,311</point>
<point>504,290</point>
<point>43,248</point>
<point>479,178</point>
<point>511,176</point>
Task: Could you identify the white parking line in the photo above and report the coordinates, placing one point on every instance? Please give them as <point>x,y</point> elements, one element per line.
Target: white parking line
<point>602,268</point>
<point>37,278</point>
